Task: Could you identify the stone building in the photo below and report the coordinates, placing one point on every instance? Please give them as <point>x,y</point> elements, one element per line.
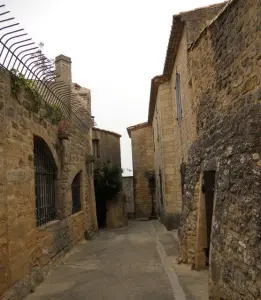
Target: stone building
<point>127,186</point>
<point>46,187</point>
<point>172,115</point>
<point>106,146</point>
<point>142,157</point>
<point>220,223</point>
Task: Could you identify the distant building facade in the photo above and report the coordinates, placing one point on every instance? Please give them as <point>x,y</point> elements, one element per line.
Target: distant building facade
<point>142,157</point>
<point>106,146</point>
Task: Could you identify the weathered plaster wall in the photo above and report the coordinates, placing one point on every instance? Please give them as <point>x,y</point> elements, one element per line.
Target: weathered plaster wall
<point>226,68</point>
<point>142,157</point>
<point>109,145</point>
<point>27,251</point>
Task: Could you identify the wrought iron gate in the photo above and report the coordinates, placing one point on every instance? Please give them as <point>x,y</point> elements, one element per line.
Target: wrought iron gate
<point>45,177</point>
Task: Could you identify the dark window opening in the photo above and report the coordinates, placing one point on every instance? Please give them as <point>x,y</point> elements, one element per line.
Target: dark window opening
<point>158,137</point>
<point>45,182</point>
<point>153,139</point>
<point>208,189</point>
<point>76,193</point>
<point>182,175</point>
<point>95,147</point>
<point>161,190</point>
<point>178,98</point>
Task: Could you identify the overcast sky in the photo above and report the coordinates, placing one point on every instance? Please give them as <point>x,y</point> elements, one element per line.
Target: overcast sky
<point>116,47</point>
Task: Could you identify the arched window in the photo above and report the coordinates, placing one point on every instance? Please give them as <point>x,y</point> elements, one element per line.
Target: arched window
<point>76,193</point>
<point>45,177</point>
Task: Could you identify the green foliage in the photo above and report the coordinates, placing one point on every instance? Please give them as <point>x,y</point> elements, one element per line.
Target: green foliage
<point>54,113</point>
<point>107,180</point>
<point>18,82</point>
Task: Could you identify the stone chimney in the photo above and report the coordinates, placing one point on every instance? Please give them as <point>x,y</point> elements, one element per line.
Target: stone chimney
<point>63,68</point>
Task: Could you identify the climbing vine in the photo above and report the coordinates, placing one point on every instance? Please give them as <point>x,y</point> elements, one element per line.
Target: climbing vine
<point>107,180</point>
<point>19,82</point>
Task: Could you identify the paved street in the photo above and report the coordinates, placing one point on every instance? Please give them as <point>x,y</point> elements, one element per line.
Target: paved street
<point>117,265</point>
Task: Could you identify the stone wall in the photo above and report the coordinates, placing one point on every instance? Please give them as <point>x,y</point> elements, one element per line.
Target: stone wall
<point>142,157</point>
<point>28,251</point>
<point>168,205</point>
<point>226,66</point>
<point>127,187</point>
<point>172,136</point>
<point>109,145</point>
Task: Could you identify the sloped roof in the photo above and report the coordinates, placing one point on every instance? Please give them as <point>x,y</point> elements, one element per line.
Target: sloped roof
<point>136,127</point>
<point>106,131</point>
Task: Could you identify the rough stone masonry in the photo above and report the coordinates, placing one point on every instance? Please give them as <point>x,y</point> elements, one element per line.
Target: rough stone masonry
<point>225,65</point>
<point>27,251</point>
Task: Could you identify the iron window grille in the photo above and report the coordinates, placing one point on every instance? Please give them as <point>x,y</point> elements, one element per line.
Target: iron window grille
<point>76,193</point>
<point>45,182</point>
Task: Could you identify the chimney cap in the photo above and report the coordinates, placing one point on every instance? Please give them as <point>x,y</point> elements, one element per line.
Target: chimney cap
<point>63,57</point>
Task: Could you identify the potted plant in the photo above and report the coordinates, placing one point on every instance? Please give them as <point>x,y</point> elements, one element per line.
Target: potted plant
<point>63,130</point>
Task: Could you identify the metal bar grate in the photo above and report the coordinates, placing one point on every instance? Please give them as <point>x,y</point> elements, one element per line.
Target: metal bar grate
<point>21,56</point>
<point>45,181</point>
<point>76,193</point>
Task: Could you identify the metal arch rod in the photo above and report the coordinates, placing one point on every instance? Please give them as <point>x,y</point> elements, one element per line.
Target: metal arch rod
<point>23,45</point>
<point>29,66</point>
<point>51,92</point>
<point>26,50</point>
<point>5,20</point>
<point>12,25</point>
<point>39,69</point>
<point>16,36</point>
<point>21,59</point>
<point>17,56</point>
<point>11,32</point>
<point>27,54</point>
<point>37,62</point>
<point>45,81</point>
<point>37,72</point>
<point>2,5</point>
<point>13,37</point>
<point>10,48</point>
<point>4,13</point>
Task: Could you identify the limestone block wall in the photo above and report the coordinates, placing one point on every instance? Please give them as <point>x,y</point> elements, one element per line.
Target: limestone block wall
<point>109,145</point>
<point>28,251</point>
<point>127,187</point>
<point>142,157</point>
<point>226,66</point>
<point>164,157</point>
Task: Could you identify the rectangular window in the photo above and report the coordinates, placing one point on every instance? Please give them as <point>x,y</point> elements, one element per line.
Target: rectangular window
<point>178,98</point>
<point>95,148</point>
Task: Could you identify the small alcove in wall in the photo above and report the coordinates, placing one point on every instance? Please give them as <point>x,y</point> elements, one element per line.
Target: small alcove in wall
<point>205,216</point>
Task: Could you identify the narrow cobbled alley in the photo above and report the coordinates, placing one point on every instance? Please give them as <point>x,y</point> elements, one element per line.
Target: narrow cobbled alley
<point>117,264</point>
